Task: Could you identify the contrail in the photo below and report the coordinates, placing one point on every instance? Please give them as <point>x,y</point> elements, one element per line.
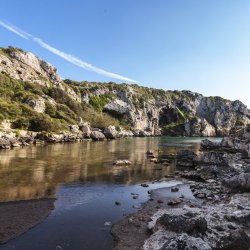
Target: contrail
<point>68,57</point>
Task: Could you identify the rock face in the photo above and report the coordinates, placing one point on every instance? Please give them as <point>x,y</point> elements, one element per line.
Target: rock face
<point>26,66</point>
<point>37,104</point>
<point>180,113</point>
<point>199,127</point>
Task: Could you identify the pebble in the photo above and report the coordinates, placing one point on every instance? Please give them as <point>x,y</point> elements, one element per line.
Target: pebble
<point>107,223</point>
<point>174,202</point>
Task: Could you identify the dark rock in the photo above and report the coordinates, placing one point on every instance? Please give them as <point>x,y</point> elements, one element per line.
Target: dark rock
<point>239,183</point>
<point>185,158</point>
<point>175,201</point>
<point>207,144</point>
<point>110,132</point>
<point>174,189</point>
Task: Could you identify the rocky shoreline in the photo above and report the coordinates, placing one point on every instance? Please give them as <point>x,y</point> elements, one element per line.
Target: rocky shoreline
<point>10,138</point>
<point>215,214</point>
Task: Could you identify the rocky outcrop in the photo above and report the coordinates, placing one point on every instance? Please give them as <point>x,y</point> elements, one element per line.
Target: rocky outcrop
<point>208,227</point>
<point>37,104</point>
<point>26,66</point>
<point>199,127</point>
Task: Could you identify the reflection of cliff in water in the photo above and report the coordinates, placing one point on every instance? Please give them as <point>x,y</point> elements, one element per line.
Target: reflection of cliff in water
<point>36,172</point>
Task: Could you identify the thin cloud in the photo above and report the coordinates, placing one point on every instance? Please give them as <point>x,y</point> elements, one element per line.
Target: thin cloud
<point>68,57</point>
<point>13,29</point>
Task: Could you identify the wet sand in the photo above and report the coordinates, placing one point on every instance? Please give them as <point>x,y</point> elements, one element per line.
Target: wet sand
<point>19,216</point>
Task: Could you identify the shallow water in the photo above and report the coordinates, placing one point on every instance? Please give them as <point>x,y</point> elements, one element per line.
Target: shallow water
<point>86,185</point>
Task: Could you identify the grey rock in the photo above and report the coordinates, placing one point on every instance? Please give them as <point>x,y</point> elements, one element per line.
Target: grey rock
<point>97,136</point>
<point>185,242</point>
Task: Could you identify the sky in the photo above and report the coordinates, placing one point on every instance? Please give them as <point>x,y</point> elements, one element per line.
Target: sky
<point>202,46</point>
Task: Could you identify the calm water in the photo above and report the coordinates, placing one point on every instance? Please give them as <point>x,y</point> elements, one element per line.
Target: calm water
<point>86,185</point>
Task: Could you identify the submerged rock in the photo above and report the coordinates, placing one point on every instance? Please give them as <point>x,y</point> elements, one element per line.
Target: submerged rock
<point>122,163</point>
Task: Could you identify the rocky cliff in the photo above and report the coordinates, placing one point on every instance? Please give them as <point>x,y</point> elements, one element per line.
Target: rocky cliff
<point>34,97</point>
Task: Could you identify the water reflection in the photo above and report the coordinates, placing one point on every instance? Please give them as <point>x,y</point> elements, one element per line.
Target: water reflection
<point>36,172</point>
<point>86,184</point>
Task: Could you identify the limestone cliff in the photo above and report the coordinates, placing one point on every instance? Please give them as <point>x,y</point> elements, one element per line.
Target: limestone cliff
<point>145,111</point>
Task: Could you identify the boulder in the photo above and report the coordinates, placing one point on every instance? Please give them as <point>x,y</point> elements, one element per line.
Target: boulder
<point>86,129</point>
<point>74,128</point>
<point>110,132</point>
<point>207,144</point>
<point>97,136</point>
<point>5,144</point>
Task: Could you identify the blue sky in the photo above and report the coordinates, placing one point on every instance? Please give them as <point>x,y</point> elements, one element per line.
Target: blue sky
<point>203,46</point>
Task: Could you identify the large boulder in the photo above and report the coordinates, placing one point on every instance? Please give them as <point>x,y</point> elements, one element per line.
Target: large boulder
<point>110,132</point>
<point>207,144</point>
<point>86,129</point>
<point>97,136</point>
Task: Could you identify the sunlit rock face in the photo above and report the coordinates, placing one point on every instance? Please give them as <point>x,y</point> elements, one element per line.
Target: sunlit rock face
<point>144,111</point>
<point>26,66</point>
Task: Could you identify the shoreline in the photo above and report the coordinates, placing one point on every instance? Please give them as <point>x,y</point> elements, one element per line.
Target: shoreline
<point>205,186</point>
<point>18,217</point>
<point>215,216</point>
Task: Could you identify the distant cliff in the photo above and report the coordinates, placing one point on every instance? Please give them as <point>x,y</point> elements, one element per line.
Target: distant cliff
<point>34,97</point>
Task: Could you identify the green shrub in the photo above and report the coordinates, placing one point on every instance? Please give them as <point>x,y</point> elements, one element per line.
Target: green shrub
<point>21,123</point>
<point>98,102</point>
